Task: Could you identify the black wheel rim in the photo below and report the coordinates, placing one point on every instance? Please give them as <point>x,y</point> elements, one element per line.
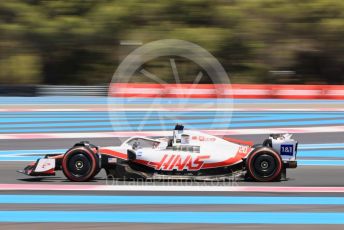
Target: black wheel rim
<point>264,165</point>
<point>79,165</point>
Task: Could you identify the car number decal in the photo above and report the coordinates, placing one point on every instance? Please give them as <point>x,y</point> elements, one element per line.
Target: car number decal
<point>287,150</point>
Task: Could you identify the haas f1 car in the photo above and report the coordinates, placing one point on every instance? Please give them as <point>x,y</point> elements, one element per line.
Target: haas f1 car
<point>187,154</point>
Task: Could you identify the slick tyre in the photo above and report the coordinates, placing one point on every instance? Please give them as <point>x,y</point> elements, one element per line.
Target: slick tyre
<point>80,164</point>
<point>264,165</point>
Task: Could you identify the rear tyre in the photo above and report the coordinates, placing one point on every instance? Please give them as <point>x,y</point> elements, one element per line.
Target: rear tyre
<point>80,164</point>
<point>264,165</point>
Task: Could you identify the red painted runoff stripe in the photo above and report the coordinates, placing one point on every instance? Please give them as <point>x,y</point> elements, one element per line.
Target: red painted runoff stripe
<point>143,90</point>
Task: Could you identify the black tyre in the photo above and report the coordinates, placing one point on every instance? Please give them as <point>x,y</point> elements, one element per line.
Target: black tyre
<point>264,165</point>
<point>267,143</point>
<point>80,164</point>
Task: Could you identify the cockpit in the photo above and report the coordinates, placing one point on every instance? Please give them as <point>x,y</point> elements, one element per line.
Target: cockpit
<point>181,141</point>
<point>138,143</point>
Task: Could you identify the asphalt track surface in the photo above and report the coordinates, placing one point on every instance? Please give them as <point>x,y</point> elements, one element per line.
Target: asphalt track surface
<point>255,214</point>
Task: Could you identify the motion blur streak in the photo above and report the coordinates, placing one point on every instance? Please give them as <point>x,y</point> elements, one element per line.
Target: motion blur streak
<point>288,202</point>
<point>261,41</point>
<point>168,200</point>
<point>175,217</point>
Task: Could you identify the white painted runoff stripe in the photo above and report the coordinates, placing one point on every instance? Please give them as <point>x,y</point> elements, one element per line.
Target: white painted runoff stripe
<point>321,129</point>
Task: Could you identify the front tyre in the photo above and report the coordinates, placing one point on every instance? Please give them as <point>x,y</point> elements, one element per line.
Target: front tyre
<point>264,165</point>
<point>80,164</point>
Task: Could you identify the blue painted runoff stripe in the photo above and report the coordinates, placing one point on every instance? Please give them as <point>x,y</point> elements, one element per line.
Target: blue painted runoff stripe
<point>96,120</point>
<point>169,124</point>
<point>321,153</point>
<point>321,146</point>
<point>168,200</point>
<point>19,158</point>
<point>57,122</point>
<point>100,122</point>
<point>33,151</point>
<point>175,217</point>
<point>321,162</point>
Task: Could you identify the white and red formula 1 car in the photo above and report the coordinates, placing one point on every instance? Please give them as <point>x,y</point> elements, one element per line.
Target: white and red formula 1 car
<point>188,154</point>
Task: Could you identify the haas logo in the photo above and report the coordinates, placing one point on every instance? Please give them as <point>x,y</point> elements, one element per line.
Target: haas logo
<point>170,162</point>
<point>46,165</point>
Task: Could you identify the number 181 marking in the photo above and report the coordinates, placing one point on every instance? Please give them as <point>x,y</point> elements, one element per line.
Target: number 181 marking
<point>287,150</point>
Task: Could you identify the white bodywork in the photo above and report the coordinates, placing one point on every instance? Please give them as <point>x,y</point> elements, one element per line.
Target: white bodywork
<point>189,150</point>
<point>45,165</point>
<point>285,146</point>
<point>186,150</point>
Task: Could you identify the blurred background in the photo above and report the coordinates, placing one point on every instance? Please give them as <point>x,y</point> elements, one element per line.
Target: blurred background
<point>285,59</point>
<point>257,41</point>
